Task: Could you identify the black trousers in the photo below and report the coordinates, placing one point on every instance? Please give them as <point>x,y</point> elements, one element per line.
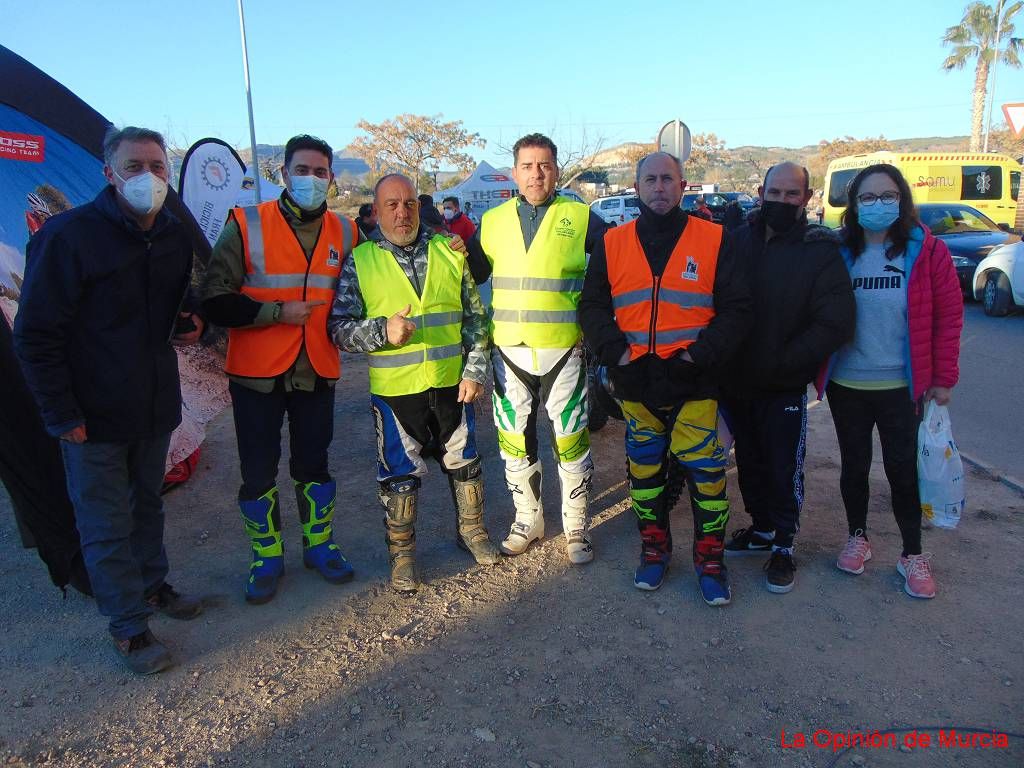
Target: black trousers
<point>856,412</point>
<point>770,433</point>
<point>258,420</point>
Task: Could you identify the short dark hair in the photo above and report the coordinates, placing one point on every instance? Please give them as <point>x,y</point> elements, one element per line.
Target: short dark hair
<point>899,231</point>
<point>114,136</point>
<point>426,201</point>
<point>451,199</point>
<point>807,176</point>
<point>534,140</point>
<point>365,210</point>
<point>305,141</point>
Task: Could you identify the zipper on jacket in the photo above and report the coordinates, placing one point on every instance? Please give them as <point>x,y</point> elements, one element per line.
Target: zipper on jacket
<point>651,337</point>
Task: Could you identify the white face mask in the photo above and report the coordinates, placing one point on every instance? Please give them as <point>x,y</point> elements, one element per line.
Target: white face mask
<point>308,192</point>
<point>449,214</point>
<point>144,193</point>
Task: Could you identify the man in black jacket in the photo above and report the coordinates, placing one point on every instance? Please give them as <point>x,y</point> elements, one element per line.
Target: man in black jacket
<point>665,307</point>
<point>100,309</point>
<point>803,311</point>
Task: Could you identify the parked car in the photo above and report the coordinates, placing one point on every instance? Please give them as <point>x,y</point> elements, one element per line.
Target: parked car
<point>716,201</point>
<point>747,202</point>
<point>572,195</point>
<point>999,280</point>
<point>617,209</point>
<point>968,233</point>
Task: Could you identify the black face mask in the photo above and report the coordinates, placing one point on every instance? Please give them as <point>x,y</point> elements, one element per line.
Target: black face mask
<point>779,216</point>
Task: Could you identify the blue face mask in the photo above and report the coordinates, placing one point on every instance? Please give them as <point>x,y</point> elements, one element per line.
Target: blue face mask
<point>878,217</point>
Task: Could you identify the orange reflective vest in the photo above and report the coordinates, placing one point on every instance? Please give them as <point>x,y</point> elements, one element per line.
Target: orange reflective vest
<point>276,269</point>
<point>662,315</point>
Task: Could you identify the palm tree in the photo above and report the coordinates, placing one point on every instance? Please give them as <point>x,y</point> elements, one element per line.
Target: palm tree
<point>979,36</point>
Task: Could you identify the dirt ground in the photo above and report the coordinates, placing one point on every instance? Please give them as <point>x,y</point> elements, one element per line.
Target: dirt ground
<point>532,662</point>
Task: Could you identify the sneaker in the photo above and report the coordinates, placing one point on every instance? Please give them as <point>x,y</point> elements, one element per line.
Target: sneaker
<point>143,654</point>
<point>856,552</point>
<point>747,541</point>
<point>780,572</point>
<point>917,573</point>
<point>168,601</point>
<point>654,559</point>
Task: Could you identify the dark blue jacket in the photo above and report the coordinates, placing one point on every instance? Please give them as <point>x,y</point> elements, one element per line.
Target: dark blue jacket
<point>97,311</point>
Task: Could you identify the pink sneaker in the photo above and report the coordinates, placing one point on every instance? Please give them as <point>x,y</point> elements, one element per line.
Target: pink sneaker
<point>917,571</point>
<point>856,552</point>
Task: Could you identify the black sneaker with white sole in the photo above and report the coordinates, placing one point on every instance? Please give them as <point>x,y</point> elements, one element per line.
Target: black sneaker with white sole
<point>747,541</point>
<point>780,572</point>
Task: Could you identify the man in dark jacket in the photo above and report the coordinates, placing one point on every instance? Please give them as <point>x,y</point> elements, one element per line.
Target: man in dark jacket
<point>664,307</point>
<point>803,312</point>
<point>100,309</point>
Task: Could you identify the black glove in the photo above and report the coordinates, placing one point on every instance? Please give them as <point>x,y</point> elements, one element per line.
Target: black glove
<point>629,381</point>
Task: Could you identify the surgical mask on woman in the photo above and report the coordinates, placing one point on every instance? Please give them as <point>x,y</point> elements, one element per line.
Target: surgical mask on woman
<point>308,192</point>
<point>878,217</point>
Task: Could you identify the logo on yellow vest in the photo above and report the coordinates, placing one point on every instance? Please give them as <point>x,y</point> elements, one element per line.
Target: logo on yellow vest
<point>565,229</point>
<point>691,269</point>
<point>333,257</point>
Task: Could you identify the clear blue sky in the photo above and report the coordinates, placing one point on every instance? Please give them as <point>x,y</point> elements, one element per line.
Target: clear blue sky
<point>778,73</point>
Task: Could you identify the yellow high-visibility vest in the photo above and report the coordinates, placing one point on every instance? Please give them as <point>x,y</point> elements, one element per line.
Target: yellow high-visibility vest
<point>536,291</point>
<point>433,355</point>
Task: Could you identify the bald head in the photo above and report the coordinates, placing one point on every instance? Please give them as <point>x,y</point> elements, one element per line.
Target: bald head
<point>787,175</point>
<point>659,181</point>
<point>397,208</point>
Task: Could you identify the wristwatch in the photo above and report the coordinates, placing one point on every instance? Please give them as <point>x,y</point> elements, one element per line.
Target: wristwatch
<point>278,306</point>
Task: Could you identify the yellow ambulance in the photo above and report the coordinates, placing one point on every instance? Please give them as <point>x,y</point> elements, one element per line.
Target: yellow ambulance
<point>990,183</point>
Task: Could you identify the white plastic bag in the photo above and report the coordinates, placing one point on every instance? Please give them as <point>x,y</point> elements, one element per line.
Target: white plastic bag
<point>940,472</point>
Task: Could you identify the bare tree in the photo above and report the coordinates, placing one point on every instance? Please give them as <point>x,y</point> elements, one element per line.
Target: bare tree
<point>575,157</point>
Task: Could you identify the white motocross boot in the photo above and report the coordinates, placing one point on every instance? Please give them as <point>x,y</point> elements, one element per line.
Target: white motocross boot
<point>575,495</point>
<point>528,527</point>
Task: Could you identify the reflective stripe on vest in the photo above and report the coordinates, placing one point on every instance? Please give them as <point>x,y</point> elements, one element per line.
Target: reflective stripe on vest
<point>276,269</point>
<point>433,355</point>
<point>536,291</point>
<point>676,306</point>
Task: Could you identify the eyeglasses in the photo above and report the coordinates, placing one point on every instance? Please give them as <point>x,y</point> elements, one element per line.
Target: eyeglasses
<point>887,198</point>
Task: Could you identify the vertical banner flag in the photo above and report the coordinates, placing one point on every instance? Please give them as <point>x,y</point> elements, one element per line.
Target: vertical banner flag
<point>209,184</point>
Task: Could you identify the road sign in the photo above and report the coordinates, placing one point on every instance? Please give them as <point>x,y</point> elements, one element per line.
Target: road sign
<point>1015,117</point>
<point>674,138</point>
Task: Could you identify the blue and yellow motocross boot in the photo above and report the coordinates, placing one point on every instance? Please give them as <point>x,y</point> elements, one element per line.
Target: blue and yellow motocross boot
<point>262,521</point>
<point>316,510</point>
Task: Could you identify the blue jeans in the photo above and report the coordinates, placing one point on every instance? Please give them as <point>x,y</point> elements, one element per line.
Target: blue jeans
<point>115,489</point>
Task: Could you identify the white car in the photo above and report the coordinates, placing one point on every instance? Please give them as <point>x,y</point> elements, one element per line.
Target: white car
<point>617,209</point>
<point>999,280</point>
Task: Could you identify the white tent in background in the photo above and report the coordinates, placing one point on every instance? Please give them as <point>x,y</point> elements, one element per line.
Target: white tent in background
<point>486,188</point>
<point>247,194</point>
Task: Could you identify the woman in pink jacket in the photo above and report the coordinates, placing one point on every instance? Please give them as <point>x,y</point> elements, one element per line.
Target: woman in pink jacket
<point>905,352</point>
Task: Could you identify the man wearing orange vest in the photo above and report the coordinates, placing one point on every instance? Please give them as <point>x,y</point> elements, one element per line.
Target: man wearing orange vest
<point>270,281</point>
<point>664,307</point>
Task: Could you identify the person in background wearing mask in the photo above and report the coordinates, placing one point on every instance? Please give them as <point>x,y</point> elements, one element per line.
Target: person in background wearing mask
<point>803,312</point>
<point>664,307</point>
<point>270,281</point>
<point>367,219</point>
<point>458,222</point>
<point>906,352</point>
<point>101,307</point>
